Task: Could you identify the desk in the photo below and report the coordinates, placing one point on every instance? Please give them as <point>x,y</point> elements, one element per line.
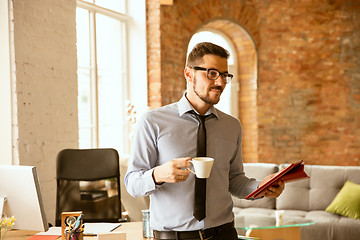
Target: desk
<point>133,232</point>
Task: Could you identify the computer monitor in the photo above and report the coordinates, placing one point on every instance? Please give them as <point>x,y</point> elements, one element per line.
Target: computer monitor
<point>23,200</point>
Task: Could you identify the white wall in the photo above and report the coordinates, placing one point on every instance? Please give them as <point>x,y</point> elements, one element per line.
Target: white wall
<point>5,87</point>
<point>45,73</point>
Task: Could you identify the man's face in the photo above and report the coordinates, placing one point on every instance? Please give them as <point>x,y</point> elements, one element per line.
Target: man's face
<point>209,91</point>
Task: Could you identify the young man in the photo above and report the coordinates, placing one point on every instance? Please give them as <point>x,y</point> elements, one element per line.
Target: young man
<point>165,141</point>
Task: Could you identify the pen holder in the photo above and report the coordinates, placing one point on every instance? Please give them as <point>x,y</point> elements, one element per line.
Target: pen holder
<point>72,227</point>
<point>73,235</point>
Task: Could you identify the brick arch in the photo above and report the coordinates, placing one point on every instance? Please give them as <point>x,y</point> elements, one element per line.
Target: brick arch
<point>247,78</point>
<point>170,29</point>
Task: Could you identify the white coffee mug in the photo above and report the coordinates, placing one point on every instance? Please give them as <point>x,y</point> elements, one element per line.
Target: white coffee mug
<point>202,166</point>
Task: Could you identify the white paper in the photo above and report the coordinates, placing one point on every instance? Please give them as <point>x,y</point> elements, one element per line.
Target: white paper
<point>95,228</point>
<point>52,231</point>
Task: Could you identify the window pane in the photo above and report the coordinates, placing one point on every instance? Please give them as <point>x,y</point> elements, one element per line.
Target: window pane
<point>109,43</point>
<point>115,5</point>
<point>83,37</point>
<point>84,108</point>
<point>110,110</point>
<point>84,81</point>
<point>110,82</point>
<point>85,138</point>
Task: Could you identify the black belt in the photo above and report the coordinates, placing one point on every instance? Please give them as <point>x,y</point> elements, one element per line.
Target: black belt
<point>206,233</point>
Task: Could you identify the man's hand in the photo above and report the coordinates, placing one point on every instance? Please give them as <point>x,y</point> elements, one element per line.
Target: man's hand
<point>273,191</point>
<point>173,171</point>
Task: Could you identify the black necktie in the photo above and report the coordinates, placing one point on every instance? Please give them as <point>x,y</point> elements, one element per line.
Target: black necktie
<point>200,183</point>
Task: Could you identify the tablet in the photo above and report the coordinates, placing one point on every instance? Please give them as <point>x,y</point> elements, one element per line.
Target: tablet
<point>294,171</point>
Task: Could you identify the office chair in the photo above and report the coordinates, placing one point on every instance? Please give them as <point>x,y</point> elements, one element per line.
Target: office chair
<point>80,177</point>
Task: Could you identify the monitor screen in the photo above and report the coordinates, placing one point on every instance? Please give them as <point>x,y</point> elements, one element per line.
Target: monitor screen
<point>20,186</point>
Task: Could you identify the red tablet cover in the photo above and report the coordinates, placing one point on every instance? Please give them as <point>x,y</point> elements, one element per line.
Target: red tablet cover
<point>294,171</point>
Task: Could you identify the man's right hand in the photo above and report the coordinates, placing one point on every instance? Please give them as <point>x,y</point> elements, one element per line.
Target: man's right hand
<point>173,171</point>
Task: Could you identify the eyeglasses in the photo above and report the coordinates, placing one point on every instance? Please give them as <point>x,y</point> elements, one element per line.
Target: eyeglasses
<point>214,74</point>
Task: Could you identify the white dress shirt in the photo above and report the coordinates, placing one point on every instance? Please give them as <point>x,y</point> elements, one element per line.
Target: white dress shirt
<point>171,132</point>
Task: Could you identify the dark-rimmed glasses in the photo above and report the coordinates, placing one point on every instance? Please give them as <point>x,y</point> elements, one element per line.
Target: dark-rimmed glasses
<point>214,74</point>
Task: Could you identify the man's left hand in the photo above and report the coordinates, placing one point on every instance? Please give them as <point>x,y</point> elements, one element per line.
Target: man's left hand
<point>275,190</point>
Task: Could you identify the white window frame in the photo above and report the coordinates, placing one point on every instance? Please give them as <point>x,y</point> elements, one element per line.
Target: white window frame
<point>135,86</point>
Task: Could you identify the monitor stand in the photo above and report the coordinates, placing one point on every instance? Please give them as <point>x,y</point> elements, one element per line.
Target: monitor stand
<point>2,203</point>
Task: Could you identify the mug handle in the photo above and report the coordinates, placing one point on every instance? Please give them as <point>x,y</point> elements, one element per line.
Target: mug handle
<point>190,169</point>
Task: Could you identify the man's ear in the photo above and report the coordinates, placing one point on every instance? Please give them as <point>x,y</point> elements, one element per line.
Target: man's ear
<point>187,74</point>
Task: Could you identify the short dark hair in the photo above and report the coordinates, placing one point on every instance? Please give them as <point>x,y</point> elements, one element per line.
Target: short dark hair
<point>202,49</point>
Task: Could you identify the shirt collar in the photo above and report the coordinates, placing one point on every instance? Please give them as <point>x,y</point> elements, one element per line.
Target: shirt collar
<point>185,106</point>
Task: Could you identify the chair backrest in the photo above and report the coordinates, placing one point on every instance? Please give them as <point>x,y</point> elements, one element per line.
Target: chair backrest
<point>81,175</point>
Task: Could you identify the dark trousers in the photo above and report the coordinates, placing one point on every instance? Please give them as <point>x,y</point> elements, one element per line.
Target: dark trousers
<point>224,232</point>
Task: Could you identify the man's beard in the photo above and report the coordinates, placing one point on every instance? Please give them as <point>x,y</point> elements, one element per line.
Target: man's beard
<point>206,98</point>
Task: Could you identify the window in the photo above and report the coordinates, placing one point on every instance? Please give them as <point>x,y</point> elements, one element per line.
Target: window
<point>103,77</point>
<point>229,98</point>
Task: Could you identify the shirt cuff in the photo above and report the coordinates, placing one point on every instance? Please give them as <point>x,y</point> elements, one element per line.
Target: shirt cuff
<point>154,184</point>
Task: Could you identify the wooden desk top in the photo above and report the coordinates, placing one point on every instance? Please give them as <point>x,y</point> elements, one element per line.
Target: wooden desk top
<point>19,234</point>
<point>133,232</point>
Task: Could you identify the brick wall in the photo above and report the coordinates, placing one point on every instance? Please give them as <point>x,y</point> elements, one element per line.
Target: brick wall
<point>305,100</point>
<point>153,56</point>
<point>308,80</point>
<point>44,43</point>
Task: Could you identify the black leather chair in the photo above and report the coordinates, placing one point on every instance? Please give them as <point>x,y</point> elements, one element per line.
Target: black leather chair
<point>81,175</point>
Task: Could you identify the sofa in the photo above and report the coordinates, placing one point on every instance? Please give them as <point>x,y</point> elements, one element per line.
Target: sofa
<point>308,199</point>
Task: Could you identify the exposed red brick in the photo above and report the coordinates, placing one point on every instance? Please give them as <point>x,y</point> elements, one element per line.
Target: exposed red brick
<point>305,102</point>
